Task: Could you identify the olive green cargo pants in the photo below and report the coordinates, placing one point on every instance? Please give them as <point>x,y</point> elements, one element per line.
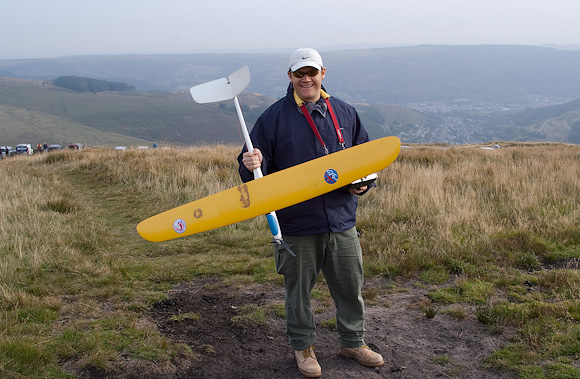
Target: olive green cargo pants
<point>339,256</point>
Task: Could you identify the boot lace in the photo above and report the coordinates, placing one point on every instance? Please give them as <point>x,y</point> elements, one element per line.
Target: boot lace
<point>309,352</point>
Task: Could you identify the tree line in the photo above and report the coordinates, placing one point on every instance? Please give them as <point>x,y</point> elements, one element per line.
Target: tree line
<point>80,84</point>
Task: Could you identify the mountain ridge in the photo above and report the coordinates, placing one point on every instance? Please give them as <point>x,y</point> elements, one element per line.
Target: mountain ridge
<point>423,94</point>
<point>398,75</point>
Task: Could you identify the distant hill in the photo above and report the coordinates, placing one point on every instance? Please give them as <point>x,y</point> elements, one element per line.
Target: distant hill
<point>36,111</point>
<point>559,123</point>
<point>399,75</point>
<point>423,94</point>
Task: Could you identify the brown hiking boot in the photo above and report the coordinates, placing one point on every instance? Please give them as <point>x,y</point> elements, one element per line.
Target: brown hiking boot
<point>307,363</point>
<point>363,355</point>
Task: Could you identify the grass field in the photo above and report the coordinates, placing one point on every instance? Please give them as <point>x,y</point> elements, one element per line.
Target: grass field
<point>494,232</point>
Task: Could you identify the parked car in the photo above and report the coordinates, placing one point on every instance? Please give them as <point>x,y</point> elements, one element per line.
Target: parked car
<point>75,146</point>
<point>120,148</point>
<point>54,147</point>
<point>24,149</point>
<point>7,151</point>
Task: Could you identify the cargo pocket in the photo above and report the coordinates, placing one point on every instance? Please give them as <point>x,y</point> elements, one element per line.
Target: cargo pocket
<point>348,244</point>
<point>281,256</point>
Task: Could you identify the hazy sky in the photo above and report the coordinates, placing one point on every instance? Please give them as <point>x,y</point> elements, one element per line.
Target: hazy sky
<point>52,28</point>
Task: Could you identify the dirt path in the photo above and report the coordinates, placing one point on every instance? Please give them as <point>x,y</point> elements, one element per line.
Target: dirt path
<point>413,345</point>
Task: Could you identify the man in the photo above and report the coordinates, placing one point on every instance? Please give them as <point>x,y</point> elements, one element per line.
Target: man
<point>306,124</point>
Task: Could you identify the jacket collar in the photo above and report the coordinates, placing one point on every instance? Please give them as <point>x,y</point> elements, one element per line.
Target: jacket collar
<point>299,101</point>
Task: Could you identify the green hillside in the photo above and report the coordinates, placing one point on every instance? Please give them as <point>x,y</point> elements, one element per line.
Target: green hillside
<point>382,120</point>
<point>560,123</point>
<point>34,111</point>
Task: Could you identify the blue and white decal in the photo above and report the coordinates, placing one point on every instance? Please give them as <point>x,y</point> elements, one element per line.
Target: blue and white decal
<point>330,176</point>
<point>179,226</point>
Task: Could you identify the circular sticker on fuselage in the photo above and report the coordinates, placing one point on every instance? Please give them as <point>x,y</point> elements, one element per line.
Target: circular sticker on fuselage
<point>330,176</point>
<point>179,225</point>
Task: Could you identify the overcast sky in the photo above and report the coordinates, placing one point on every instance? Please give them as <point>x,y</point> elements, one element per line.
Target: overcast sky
<point>53,28</point>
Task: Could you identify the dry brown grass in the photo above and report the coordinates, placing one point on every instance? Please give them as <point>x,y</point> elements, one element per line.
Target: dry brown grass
<point>473,224</point>
<point>437,204</point>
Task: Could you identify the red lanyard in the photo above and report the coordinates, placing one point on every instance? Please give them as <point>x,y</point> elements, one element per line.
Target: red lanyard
<point>315,129</point>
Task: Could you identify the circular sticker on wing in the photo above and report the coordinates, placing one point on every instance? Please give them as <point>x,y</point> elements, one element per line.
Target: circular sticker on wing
<point>179,225</point>
<point>330,176</point>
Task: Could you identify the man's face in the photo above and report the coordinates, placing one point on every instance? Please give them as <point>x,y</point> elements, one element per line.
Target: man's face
<point>307,87</point>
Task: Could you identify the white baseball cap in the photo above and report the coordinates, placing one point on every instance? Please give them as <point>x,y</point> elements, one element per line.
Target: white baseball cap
<point>305,57</point>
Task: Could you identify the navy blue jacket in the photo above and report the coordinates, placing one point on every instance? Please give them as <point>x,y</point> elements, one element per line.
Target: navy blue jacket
<point>285,139</point>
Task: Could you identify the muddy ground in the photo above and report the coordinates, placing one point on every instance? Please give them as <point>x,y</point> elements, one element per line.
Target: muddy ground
<point>413,345</point>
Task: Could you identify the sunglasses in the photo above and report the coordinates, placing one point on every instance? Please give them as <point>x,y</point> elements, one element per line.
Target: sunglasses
<point>301,74</point>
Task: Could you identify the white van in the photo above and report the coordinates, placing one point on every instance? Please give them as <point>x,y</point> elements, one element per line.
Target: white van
<point>24,149</point>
